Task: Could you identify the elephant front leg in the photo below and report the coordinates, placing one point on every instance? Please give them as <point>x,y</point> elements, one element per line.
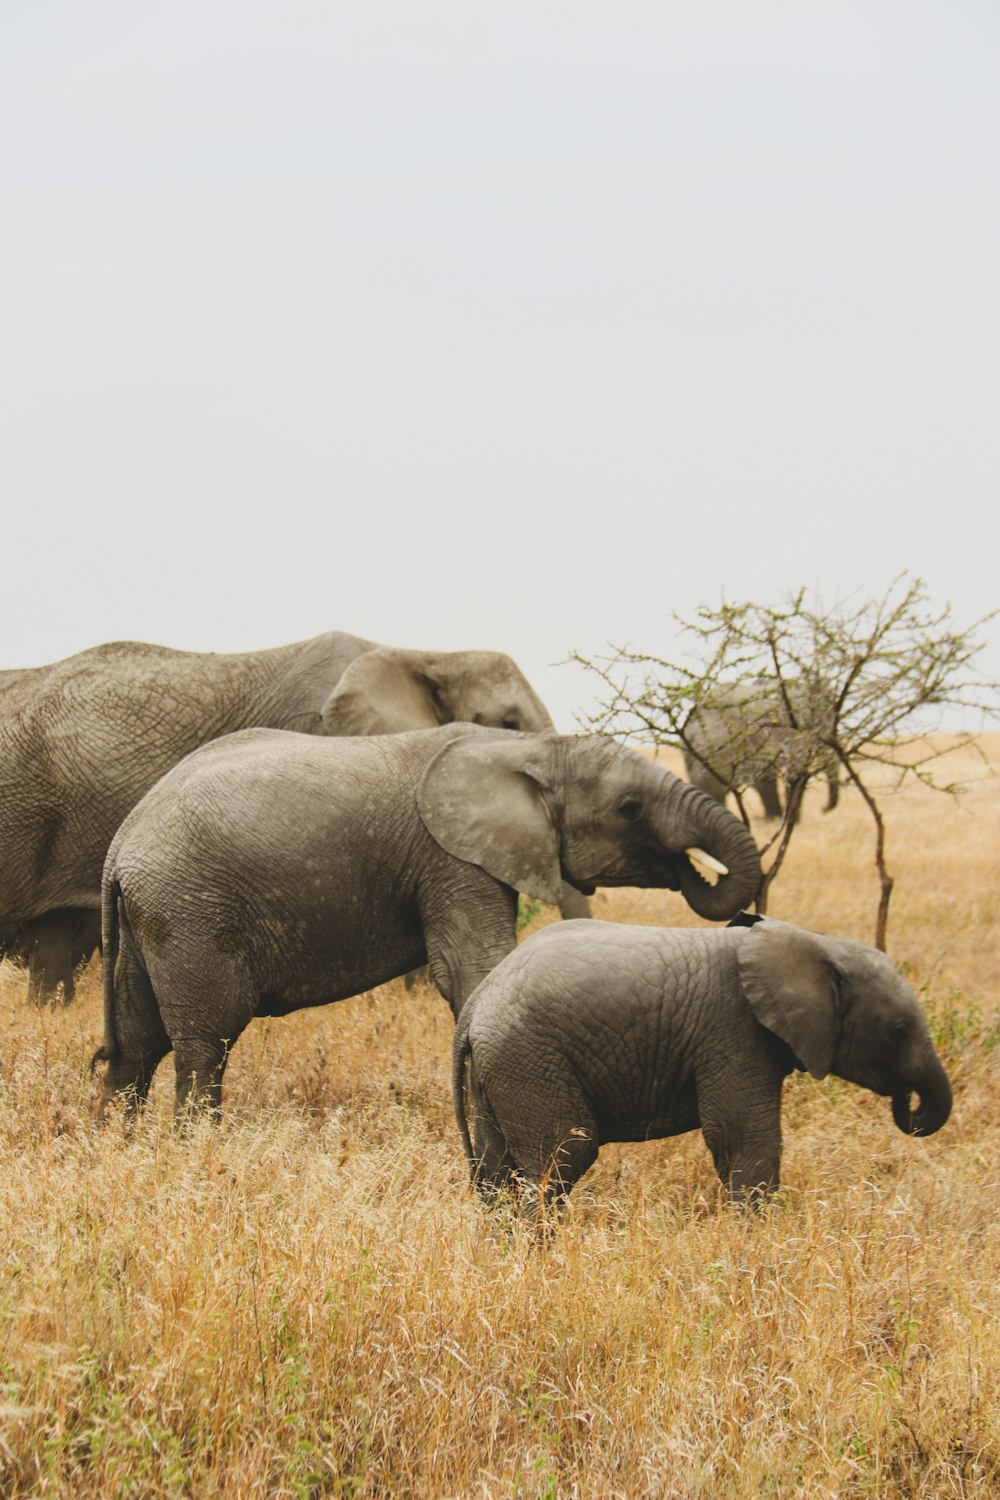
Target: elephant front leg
<point>744,1137</point>
<point>467,938</point>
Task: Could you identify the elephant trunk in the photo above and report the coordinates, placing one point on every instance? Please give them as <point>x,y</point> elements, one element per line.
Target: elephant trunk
<point>710,828</point>
<point>933,1107</point>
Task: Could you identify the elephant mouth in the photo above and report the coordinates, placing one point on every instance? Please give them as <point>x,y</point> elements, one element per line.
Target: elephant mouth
<point>665,878</point>
<point>671,871</point>
<point>696,864</point>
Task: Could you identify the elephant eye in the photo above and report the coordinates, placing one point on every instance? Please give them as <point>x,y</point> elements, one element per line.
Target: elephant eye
<point>630,808</point>
<point>510,724</point>
<point>899,1031</point>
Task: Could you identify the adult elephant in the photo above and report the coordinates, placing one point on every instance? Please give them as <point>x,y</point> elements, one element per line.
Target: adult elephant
<point>82,740</point>
<point>743,736</point>
<point>53,947</point>
<point>272,871</point>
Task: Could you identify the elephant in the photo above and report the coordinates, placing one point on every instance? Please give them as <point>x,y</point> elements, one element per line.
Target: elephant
<point>271,871</point>
<point>593,1032</point>
<point>742,736</point>
<point>82,740</point>
<point>53,947</point>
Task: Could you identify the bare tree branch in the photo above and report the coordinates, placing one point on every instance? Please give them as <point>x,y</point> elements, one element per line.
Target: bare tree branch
<point>798,692</point>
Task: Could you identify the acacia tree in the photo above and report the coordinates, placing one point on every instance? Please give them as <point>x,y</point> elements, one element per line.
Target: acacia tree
<point>832,692</point>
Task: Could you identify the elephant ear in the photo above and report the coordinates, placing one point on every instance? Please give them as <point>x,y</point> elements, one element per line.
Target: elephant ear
<point>482,799</point>
<point>792,983</point>
<point>381,692</point>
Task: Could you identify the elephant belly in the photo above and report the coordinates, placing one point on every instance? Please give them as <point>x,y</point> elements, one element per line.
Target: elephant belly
<point>329,971</point>
<point>327,989</point>
<point>675,1115</point>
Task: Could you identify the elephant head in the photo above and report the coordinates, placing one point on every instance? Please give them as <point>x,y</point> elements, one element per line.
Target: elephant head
<point>534,811</point>
<point>842,1008</point>
<point>389,690</point>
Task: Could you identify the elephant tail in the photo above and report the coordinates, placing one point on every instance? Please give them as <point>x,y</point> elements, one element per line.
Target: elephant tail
<point>461,1053</point>
<point>110,936</point>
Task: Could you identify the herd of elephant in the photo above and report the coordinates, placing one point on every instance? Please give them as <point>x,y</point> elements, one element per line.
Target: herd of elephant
<point>249,834</point>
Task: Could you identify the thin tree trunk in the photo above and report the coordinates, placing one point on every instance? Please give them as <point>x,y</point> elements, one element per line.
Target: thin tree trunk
<point>793,807</point>
<point>887,882</point>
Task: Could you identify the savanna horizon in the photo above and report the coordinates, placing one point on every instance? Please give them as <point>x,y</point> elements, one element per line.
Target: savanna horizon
<point>309,1300</point>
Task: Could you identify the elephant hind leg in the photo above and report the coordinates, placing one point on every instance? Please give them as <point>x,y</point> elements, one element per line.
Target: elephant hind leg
<point>576,1151</point>
<point>546,1141</point>
<point>200,1063</point>
<point>141,1039</point>
<point>129,1078</point>
<point>208,998</point>
<point>544,1193</point>
<point>43,988</point>
<point>552,1156</point>
<point>493,1168</point>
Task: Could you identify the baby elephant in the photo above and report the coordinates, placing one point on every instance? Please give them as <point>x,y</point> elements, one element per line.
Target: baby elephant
<point>594,1031</point>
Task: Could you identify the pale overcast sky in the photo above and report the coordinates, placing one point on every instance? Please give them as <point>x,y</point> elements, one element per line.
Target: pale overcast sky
<point>515,326</point>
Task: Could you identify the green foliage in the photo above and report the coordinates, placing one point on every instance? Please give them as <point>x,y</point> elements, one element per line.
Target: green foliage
<point>527,910</point>
<point>961,1030</point>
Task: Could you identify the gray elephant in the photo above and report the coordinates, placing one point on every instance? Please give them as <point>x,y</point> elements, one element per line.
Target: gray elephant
<point>271,871</point>
<point>743,736</point>
<point>53,947</point>
<point>82,740</point>
<point>593,1032</point>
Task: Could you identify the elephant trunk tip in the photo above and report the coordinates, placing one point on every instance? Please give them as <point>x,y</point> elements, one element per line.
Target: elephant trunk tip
<point>926,1119</point>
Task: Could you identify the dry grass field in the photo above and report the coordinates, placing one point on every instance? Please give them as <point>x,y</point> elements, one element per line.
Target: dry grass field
<point>308,1301</point>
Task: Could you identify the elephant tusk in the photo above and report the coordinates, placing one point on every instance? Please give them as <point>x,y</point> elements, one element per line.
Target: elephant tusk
<point>699,857</point>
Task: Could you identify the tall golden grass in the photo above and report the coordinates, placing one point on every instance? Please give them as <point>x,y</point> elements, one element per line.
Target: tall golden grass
<point>309,1301</point>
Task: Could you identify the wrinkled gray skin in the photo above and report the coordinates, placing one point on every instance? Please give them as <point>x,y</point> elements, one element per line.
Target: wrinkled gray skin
<point>272,871</point>
<point>52,948</point>
<point>593,1032</point>
<point>82,740</point>
<point>756,720</point>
